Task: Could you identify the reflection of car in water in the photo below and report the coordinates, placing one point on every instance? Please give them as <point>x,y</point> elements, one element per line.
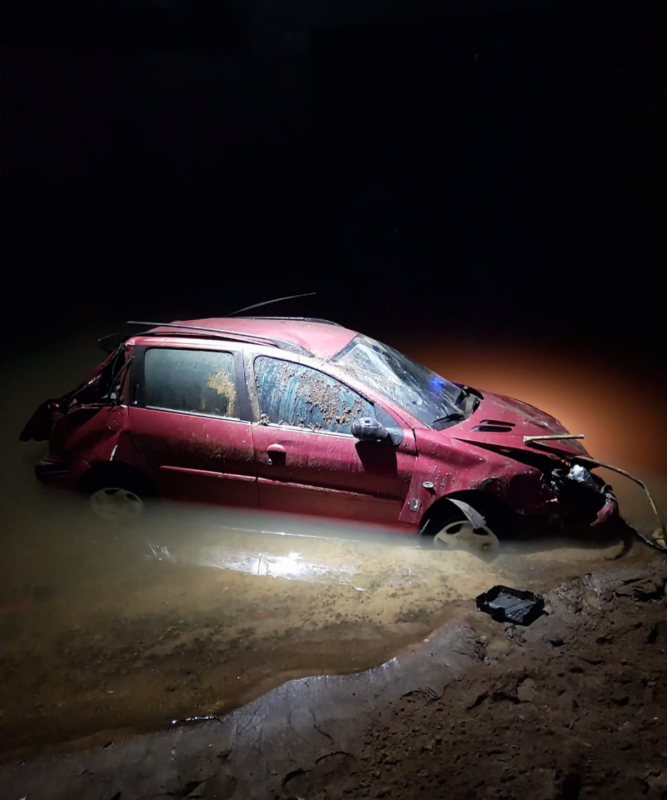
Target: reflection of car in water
<point>306,416</point>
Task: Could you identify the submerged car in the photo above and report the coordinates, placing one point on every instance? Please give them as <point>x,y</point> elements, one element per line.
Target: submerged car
<point>306,416</point>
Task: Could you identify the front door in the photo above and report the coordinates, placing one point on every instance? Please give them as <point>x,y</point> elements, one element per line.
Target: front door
<point>189,421</point>
<point>307,459</point>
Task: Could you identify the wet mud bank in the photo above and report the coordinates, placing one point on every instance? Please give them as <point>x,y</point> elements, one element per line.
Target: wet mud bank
<point>125,631</point>
<point>573,706</point>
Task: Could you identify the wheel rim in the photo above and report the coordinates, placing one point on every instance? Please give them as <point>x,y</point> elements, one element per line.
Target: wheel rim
<point>114,503</point>
<point>461,534</point>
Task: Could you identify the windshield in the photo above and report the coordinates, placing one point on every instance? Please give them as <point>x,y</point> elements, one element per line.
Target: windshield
<point>424,394</point>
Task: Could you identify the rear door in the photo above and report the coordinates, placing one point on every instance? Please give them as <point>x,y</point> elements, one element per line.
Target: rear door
<point>190,418</point>
<point>307,459</point>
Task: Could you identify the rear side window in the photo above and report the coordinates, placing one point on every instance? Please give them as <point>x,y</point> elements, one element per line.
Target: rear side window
<point>291,394</point>
<point>198,381</point>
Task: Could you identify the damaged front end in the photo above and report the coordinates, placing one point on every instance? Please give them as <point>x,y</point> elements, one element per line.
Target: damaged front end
<point>576,487</point>
<point>574,483</point>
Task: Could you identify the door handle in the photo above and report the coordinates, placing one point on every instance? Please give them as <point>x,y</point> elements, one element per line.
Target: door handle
<point>276,453</point>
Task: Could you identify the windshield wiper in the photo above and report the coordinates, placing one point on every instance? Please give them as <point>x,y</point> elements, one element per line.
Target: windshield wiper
<point>454,416</point>
<point>464,394</point>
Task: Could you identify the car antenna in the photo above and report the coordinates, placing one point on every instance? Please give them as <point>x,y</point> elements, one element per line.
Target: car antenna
<point>269,302</point>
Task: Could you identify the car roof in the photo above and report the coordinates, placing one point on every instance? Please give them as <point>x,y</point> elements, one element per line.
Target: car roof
<point>321,338</point>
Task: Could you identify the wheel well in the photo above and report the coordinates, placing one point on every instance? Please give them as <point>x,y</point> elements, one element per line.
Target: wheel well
<point>495,511</point>
<point>107,474</point>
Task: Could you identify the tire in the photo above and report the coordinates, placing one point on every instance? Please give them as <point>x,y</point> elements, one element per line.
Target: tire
<point>450,529</point>
<point>116,504</point>
<point>116,496</point>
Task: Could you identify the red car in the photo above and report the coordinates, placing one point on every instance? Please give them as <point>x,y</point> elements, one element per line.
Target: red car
<point>304,415</point>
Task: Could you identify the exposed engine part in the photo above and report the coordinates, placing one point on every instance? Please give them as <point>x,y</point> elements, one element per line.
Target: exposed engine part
<point>579,487</point>
<point>577,473</point>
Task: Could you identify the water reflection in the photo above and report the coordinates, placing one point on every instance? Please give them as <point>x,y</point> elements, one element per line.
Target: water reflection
<point>292,566</point>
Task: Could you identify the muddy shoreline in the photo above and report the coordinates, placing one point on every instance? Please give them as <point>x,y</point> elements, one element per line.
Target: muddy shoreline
<point>573,706</point>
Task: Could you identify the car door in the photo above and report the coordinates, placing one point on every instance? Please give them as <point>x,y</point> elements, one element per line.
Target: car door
<point>307,459</point>
<point>190,419</point>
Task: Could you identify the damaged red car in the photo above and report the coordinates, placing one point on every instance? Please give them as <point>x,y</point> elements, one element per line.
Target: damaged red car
<point>306,416</point>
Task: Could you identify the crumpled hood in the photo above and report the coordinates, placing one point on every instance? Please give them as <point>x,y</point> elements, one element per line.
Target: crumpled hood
<point>501,420</point>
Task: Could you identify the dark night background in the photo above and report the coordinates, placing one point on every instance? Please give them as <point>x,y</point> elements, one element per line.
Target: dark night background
<point>474,171</point>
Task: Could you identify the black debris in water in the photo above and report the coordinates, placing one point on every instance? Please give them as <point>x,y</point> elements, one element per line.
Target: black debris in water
<point>511,605</point>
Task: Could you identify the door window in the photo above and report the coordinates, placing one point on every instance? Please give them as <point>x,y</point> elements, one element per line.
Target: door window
<point>197,381</point>
<point>291,394</point>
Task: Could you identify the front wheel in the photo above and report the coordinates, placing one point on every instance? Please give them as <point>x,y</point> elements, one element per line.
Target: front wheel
<point>452,530</point>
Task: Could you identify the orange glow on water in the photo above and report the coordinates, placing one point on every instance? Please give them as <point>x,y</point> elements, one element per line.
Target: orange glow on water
<point>623,424</point>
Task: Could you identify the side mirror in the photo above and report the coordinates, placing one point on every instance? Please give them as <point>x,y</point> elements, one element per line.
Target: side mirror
<point>369,429</point>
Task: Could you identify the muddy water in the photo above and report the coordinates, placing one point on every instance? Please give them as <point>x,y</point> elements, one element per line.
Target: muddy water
<point>193,611</point>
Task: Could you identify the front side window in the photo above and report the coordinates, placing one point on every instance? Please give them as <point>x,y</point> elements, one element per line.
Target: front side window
<point>291,394</point>
<point>197,381</point>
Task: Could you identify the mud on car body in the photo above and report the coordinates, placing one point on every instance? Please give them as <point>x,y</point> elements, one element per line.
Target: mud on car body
<point>301,415</point>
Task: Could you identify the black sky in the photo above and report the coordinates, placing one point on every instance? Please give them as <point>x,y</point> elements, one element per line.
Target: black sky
<point>491,168</point>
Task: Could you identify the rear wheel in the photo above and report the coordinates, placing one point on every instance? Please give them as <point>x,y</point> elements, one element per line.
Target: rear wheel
<point>116,504</point>
<point>116,493</point>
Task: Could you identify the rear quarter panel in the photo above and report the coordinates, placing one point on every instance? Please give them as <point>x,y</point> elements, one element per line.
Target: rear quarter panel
<point>87,436</point>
